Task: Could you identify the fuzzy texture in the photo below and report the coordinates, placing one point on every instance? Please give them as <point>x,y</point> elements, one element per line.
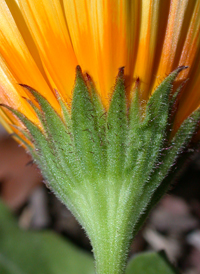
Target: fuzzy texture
<point>108,167</point>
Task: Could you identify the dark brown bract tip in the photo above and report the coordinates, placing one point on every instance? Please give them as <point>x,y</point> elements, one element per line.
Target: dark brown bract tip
<point>78,69</point>
<point>180,68</point>
<point>121,71</point>
<point>88,77</point>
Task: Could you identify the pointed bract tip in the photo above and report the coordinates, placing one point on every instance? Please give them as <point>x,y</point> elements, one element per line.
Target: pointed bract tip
<point>12,134</point>
<point>79,73</point>
<point>137,82</point>
<point>56,93</point>
<point>78,69</point>
<point>121,72</point>
<point>25,86</point>
<point>23,97</point>
<point>7,107</point>
<point>180,68</point>
<point>3,105</point>
<point>88,77</point>
<point>27,100</point>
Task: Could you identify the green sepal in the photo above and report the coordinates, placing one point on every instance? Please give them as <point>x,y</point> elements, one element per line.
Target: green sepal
<point>58,136</point>
<point>55,175</point>
<point>171,155</point>
<point>178,143</point>
<point>175,96</point>
<point>174,101</point>
<point>85,131</point>
<point>42,153</point>
<point>117,129</point>
<point>100,117</point>
<point>159,100</point>
<point>65,112</point>
<point>133,139</point>
<point>29,148</point>
<point>95,97</point>
<point>49,118</point>
<point>38,111</point>
<point>24,133</point>
<point>146,134</point>
<point>156,120</point>
<point>135,111</point>
<point>31,127</point>
<point>25,141</point>
<point>160,180</point>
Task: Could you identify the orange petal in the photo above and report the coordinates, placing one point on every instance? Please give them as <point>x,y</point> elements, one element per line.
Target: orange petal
<point>191,47</point>
<point>5,121</point>
<point>16,58</point>
<point>148,37</point>
<point>191,96</point>
<point>100,38</point>
<point>47,25</point>
<point>179,16</point>
<point>12,94</point>
<point>190,56</point>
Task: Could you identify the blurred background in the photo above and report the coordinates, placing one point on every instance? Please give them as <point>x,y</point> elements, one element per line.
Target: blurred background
<point>174,225</point>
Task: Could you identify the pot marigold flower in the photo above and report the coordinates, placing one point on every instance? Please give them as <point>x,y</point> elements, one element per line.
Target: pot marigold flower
<point>106,136</point>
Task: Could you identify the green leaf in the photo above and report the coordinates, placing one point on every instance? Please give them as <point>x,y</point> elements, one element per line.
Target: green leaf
<point>27,252</point>
<point>150,263</point>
